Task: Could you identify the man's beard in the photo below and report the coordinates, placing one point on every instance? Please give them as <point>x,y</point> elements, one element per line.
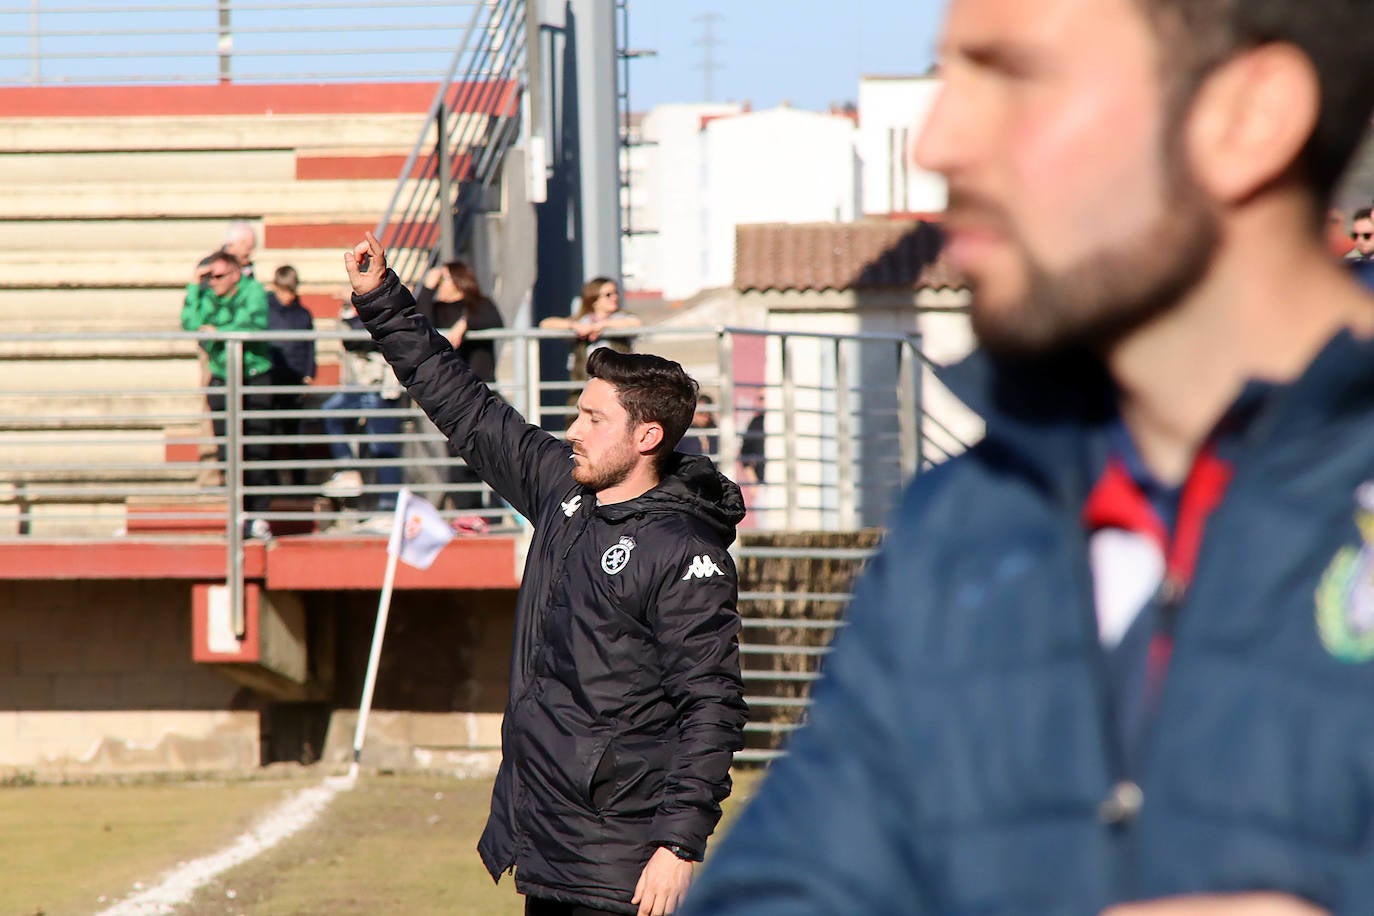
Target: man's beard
<point>1110,292</point>
<point>612,470</point>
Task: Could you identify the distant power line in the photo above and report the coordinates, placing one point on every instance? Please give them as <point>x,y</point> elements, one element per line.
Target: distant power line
<point>709,42</point>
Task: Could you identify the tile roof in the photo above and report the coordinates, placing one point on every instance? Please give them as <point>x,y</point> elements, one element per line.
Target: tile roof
<point>869,254</point>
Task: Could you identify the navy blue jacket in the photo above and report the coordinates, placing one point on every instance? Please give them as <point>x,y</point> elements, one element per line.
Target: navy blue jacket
<point>291,359</point>
<point>960,756</point>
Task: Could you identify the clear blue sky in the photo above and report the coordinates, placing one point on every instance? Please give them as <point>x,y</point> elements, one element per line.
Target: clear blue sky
<point>808,52</point>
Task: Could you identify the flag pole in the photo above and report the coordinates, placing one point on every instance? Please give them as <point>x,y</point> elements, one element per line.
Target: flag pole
<point>378,633</point>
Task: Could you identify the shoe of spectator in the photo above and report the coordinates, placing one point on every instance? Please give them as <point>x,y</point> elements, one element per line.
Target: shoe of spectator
<point>377,524</point>
<point>343,484</point>
<point>470,524</point>
<point>257,528</point>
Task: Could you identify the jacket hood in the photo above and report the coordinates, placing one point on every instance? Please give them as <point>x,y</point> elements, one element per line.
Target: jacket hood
<point>693,484</point>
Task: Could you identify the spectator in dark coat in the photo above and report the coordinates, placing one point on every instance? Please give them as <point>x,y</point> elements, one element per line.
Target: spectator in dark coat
<point>293,365</point>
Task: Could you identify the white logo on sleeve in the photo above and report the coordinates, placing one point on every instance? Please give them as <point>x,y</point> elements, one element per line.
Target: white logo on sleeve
<point>703,567</point>
<point>570,507</point>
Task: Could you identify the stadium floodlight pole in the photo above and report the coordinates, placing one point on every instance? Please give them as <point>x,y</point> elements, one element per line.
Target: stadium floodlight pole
<point>374,658</point>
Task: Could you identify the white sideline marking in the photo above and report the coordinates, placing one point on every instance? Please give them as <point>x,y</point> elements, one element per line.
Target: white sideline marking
<point>180,884</point>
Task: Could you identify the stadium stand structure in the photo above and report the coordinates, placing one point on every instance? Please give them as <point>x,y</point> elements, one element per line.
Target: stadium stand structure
<point>114,194</point>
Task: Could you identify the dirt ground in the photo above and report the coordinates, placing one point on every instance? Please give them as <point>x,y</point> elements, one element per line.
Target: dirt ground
<point>394,844</point>
<point>403,843</point>
<point>75,849</point>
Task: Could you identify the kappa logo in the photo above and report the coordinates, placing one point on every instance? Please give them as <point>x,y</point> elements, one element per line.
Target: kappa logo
<point>1345,595</point>
<point>570,507</point>
<point>703,567</point>
<point>615,558</point>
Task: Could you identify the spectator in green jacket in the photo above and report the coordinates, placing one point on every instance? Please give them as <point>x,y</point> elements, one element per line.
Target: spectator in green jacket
<point>221,299</point>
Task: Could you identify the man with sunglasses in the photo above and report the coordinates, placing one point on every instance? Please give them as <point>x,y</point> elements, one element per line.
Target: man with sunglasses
<point>222,299</point>
<point>1362,234</point>
<point>1361,257</point>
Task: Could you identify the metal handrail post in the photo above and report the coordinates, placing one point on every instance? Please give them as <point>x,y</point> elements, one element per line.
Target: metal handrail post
<point>233,479</point>
<point>844,438</point>
<point>225,43</point>
<point>789,431</point>
<point>447,250</point>
<point>534,412</point>
<point>725,414</point>
<point>918,394</point>
<point>908,404</point>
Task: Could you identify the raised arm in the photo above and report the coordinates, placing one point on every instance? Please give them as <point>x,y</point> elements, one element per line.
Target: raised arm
<point>520,461</point>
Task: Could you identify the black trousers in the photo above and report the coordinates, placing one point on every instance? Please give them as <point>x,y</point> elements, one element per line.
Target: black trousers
<point>538,906</point>
<point>256,426</point>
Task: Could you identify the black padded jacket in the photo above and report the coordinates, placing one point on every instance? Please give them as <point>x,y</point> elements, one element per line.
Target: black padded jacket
<point>626,703</point>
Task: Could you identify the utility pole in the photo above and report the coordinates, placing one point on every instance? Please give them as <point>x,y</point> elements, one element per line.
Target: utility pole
<point>709,42</point>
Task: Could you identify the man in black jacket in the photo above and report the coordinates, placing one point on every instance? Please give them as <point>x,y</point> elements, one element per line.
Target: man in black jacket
<point>626,703</point>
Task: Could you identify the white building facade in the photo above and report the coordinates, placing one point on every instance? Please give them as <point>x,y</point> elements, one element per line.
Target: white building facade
<point>699,170</point>
<point>704,169</point>
<point>892,110</point>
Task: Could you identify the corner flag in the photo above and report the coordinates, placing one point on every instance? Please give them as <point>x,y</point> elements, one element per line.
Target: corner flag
<point>418,533</point>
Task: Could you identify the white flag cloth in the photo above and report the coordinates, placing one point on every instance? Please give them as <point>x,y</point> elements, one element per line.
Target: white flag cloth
<point>418,533</point>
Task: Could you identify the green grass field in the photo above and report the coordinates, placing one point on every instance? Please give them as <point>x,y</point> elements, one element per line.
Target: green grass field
<point>393,844</point>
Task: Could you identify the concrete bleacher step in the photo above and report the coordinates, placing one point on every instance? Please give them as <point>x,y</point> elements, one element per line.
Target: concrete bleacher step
<point>326,200</point>
<point>116,454</point>
<point>59,238</point>
<point>164,269</point>
<point>94,310</point>
<point>121,412</point>
<point>99,377</point>
<point>303,132</point>
<point>77,349</point>
<point>206,167</point>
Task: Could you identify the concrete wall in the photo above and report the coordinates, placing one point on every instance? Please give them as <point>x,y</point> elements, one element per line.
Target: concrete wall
<point>97,677</point>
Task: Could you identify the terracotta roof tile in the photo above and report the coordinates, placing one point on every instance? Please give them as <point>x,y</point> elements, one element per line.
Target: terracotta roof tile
<point>870,254</point>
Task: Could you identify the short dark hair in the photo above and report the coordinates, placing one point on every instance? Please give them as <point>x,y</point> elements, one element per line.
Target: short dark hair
<point>1199,35</point>
<point>225,258</point>
<point>651,389</point>
<point>1366,213</point>
<point>286,278</point>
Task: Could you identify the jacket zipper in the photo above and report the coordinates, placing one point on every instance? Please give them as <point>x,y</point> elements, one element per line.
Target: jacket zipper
<point>1111,813</point>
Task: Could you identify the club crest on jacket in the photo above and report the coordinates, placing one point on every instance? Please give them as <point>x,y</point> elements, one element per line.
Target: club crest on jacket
<point>1345,595</point>
<point>615,557</point>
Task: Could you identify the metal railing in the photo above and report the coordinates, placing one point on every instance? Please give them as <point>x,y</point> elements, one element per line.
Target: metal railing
<point>844,424</point>
<point>821,433</point>
<point>50,42</point>
<point>475,119</point>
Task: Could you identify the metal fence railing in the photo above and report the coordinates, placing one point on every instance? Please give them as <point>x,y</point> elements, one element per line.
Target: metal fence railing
<point>58,42</point>
<point>821,433</point>
<point>840,423</point>
<point>473,121</point>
